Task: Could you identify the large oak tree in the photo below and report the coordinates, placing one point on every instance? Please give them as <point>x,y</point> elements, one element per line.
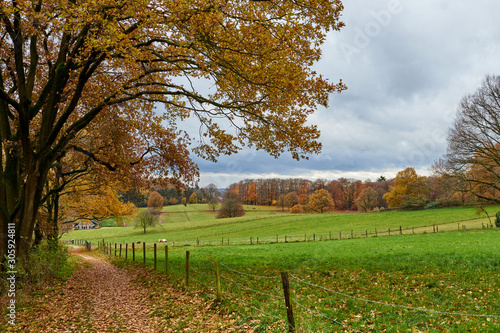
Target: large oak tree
<point>79,81</point>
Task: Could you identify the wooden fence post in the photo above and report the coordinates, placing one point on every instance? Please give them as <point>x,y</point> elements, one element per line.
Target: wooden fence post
<point>133,252</point>
<point>120,251</point>
<point>389,231</point>
<point>166,260</point>
<point>217,280</point>
<point>154,246</point>
<point>126,251</point>
<point>115,249</point>
<point>400,230</point>
<point>187,269</point>
<point>143,252</point>
<point>340,235</point>
<point>288,303</point>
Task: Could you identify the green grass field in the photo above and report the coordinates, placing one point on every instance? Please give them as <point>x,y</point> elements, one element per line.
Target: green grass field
<point>432,282</point>
<point>195,224</point>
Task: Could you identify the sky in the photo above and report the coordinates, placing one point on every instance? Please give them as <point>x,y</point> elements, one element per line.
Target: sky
<point>407,65</point>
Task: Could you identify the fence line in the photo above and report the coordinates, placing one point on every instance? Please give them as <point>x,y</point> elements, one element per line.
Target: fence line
<point>251,289</point>
<point>251,275</point>
<point>393,305</point>
<point>324,316</point>
<point>108,248</point>
<point>326,236</point>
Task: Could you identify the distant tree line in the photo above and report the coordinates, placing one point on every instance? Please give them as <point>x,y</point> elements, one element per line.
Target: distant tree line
<point>407,190</point>
<point>172,196</point>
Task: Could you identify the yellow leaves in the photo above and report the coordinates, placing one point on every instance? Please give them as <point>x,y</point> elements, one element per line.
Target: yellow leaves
<point>88,202</point>
<point>407,185</point>
<point>124,57</point>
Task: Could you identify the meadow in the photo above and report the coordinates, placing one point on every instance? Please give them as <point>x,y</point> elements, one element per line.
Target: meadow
<point>423,282</point>
<point>196,225</point>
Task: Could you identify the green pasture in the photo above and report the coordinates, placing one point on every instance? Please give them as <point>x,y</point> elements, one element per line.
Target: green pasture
<point>196,225</point>
<point>381,280</point>
<point>422,282</point>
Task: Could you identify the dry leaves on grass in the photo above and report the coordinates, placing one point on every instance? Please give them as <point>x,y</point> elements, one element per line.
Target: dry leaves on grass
<point>181,311</point>
<point>101,297</point>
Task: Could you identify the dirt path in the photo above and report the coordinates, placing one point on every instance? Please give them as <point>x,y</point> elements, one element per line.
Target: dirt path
<point>118,303</point>
<point>100,297</point>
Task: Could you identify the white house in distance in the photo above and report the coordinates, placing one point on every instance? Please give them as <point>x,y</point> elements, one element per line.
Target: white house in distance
<point>86,224</point>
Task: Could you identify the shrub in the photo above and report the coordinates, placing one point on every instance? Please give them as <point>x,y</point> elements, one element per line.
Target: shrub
<point>45,263</point>
<point>297,209</point>
<point>231,206</point>
<point>432,205</point>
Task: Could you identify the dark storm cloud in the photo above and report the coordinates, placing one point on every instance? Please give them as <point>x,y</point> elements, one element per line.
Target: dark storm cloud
<point>407,65</point>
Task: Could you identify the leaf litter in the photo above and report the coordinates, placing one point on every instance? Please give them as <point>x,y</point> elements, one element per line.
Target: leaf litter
<point>101,297</point>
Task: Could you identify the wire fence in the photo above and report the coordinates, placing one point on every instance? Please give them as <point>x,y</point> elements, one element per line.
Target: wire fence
<point>267,295</point>
<point>226,240</point>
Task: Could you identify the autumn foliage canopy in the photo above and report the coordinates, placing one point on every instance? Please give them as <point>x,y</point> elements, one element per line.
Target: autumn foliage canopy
<point>98,87</point>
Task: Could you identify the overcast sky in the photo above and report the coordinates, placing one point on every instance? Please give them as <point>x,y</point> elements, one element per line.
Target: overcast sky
<point>407,64</point>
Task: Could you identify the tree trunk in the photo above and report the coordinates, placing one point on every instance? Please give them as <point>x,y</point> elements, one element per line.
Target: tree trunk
<point>19,207</point>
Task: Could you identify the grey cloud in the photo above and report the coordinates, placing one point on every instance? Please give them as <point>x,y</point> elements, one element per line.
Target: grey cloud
<point>406,73</point>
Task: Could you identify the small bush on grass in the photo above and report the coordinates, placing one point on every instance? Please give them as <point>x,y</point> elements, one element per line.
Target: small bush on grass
<point>231,206</point>
<point>47,262</point>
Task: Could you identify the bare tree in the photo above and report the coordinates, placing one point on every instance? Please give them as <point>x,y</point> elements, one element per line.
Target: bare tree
<point>473,154</point>
<point>231,205</point>
<point>212,194</point>
<point>147,218</point>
